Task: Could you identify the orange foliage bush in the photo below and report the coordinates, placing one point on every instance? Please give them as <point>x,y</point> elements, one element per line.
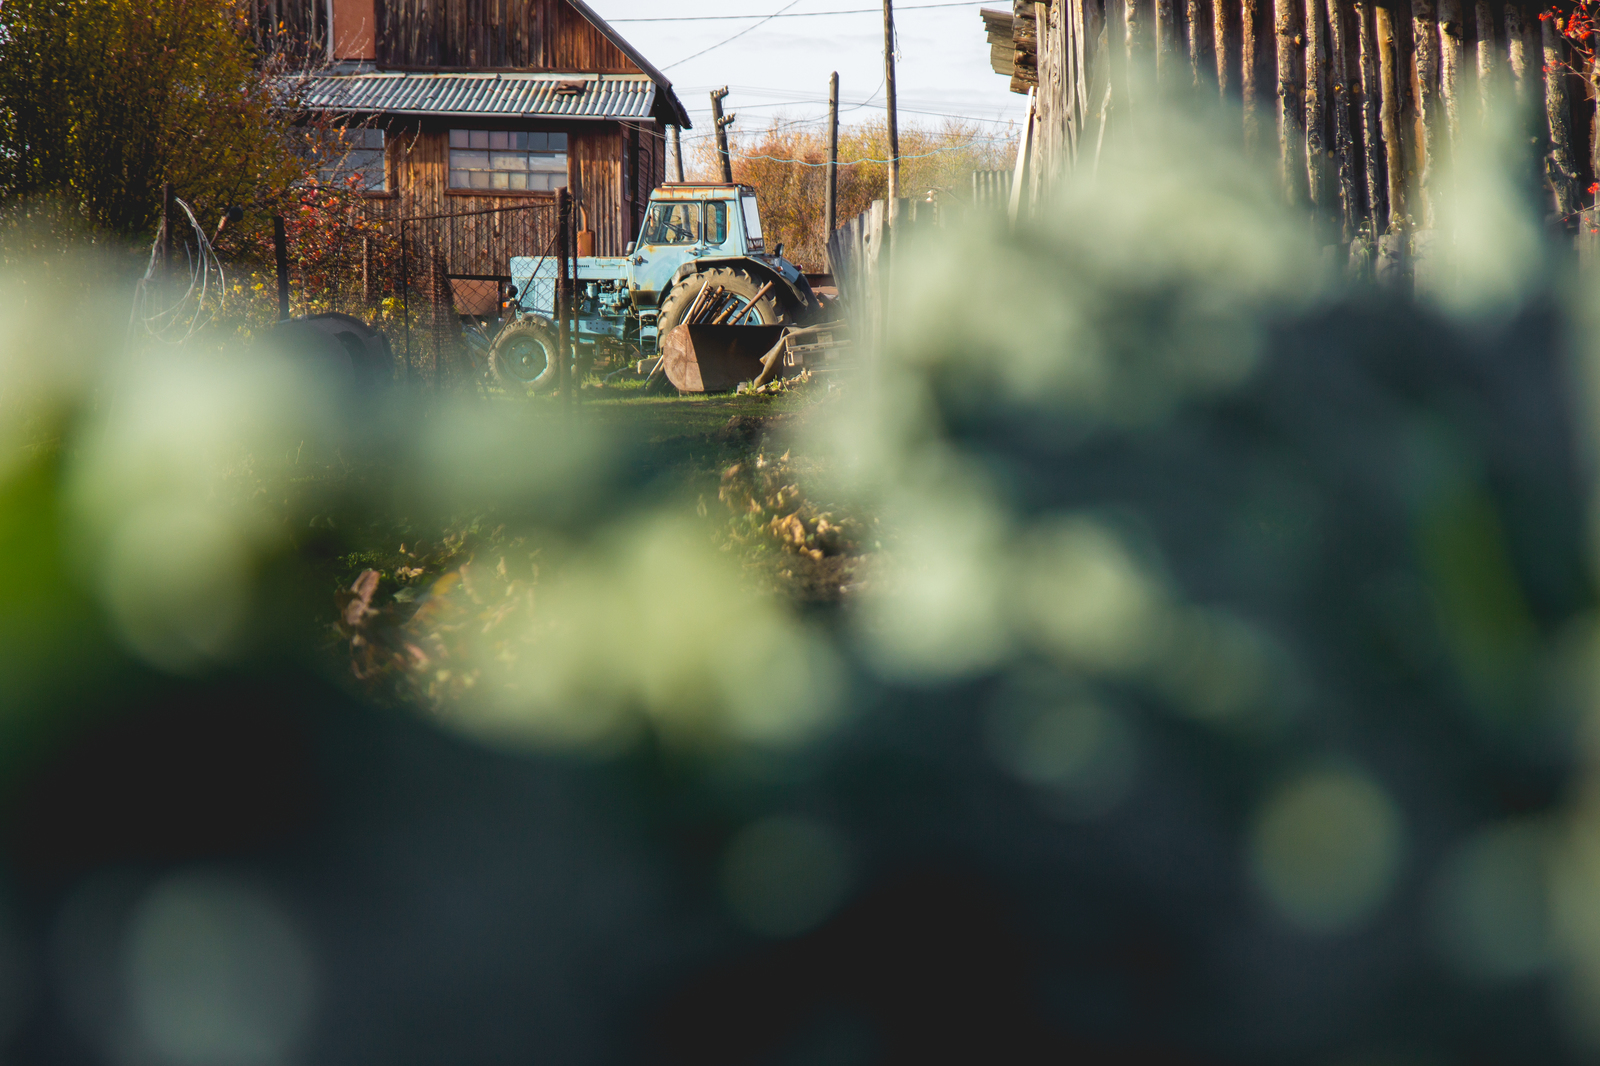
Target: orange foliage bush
<point>785,164</point>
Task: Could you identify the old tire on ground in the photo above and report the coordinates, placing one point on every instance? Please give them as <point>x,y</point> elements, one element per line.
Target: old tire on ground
<point>770,309</point>
<point>523,356</point>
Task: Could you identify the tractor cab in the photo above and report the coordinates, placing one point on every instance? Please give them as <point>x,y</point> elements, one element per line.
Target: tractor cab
<point>688,224</point>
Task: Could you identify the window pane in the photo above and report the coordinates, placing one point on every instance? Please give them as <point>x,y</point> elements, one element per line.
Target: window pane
<point>752,217</point>
<point>519,161</point>
<point>458,138</point>
<point>672,224</point>
<point>716,222</point>
<point>558,141</point>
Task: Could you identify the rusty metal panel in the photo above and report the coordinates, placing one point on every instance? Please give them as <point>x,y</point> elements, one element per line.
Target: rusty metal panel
<point>715,358</point>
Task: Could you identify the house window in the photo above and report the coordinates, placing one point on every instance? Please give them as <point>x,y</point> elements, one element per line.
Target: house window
<point>491,160</point>
<point>343,152</point>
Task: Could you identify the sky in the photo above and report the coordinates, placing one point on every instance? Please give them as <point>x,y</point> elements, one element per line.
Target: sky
<point>778,70</point>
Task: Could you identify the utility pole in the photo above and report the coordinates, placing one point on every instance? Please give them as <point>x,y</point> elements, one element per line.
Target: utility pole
<point>888,88</point>
<point>722,122</point>
<point>831,201</point>
<point>677,153</point>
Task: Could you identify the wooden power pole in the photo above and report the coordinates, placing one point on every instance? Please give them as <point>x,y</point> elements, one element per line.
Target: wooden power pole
<point>888,88</point>
<point>722,122</point>
<point>677,154</point>
<point>830,210</point>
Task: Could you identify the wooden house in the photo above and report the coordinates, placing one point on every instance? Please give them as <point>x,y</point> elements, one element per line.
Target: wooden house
<point>457,107</point>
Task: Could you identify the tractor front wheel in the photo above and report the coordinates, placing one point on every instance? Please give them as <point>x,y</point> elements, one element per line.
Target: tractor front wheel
<point>767,311</point>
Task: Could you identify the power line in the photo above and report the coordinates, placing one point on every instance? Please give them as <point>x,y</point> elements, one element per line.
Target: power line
<point>735,37</point>
<point>790,15</point>
<point>856,107</point>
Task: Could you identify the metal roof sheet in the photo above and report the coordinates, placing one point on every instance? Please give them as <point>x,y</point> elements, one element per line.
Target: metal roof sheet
<point>603,96</point>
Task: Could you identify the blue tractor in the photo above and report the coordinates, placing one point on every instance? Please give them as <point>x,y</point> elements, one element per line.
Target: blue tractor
<point>694,237</point>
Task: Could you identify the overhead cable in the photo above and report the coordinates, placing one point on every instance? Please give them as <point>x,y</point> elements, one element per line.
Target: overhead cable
<point>792,14</point>
<point>735,37</point>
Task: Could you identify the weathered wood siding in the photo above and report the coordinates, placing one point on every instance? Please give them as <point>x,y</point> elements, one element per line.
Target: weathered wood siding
<point>494,35</point>
<point>526,35</point>
<point>596,159</point>
<point>1357,101</point>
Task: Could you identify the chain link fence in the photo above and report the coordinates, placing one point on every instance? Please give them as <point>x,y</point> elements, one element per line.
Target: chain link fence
<point>418,279</point>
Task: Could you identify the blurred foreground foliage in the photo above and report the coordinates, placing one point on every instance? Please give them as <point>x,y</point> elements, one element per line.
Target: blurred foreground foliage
<point>1198,668</point>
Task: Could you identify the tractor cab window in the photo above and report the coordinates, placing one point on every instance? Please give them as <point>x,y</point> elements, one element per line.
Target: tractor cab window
<point>716,222</point>
<point>672,224</point>
<point>752,222</point>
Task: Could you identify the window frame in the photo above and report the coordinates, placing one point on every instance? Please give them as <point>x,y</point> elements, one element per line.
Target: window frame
<point>691,208</point>
<point>330,174</point>
<point>450,147</point>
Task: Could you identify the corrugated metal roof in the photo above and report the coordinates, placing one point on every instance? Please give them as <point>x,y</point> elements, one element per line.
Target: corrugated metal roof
<point>613,96</point>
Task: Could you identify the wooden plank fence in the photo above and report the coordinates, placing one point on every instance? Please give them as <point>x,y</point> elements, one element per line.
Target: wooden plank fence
<point>1358,101</point>
<point>861,252</point>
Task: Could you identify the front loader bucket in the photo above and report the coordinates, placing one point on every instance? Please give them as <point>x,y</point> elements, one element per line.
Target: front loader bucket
<point>715,358</point>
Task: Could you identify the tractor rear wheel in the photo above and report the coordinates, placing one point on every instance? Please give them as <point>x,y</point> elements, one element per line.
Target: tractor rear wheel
<point>524,354</point>
<point>770,310</point>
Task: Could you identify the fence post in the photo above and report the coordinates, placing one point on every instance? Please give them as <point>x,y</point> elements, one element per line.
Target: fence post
<point>280,253</point>
<point>563,293</point>
<point>405,296</point>
<point>831,199</point>
<point>575,391</point>
<point>167,266</point>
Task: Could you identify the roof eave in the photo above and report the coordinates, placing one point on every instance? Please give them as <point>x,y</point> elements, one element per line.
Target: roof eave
<point>677,114</point>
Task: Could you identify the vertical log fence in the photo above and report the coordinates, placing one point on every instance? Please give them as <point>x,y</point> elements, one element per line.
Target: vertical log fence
<point>1360,102</point>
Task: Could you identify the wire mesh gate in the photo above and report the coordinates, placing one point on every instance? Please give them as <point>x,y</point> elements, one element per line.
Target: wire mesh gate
<point>415,278</point>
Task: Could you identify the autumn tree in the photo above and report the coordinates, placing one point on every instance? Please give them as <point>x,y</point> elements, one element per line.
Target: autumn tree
<point>101,101</point>
<point>786,165</point>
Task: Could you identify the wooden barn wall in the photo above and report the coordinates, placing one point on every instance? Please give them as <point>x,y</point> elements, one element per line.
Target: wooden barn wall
<point>494,34</point>
<point>596,168</point>
<point>528,35</point>
<point>644,154</point>
<point>1357,101</point>
<point>419,167</point>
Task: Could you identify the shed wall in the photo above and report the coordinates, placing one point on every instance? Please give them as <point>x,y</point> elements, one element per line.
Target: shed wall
<point>419,171</point>
<point>494,35</point>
